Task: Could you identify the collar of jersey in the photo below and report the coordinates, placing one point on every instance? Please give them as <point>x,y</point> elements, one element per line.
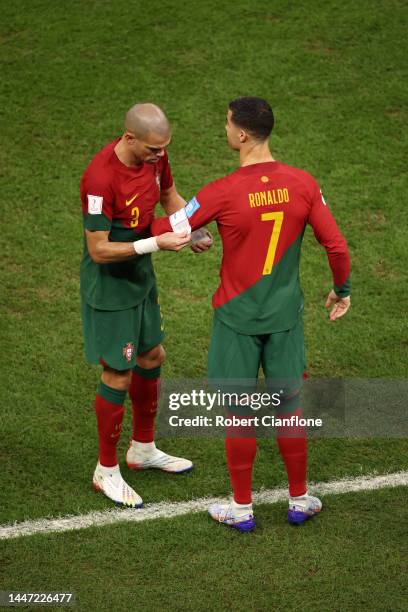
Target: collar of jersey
<point>269,166</point>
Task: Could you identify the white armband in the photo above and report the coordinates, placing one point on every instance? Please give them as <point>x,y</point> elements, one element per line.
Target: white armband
<point>179,221</point>
<point>147,245</point>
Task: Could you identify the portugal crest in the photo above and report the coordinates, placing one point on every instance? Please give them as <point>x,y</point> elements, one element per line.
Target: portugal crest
<point>128,351</point>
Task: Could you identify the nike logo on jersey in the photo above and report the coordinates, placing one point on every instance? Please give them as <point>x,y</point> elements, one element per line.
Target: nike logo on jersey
<point>128,202</point>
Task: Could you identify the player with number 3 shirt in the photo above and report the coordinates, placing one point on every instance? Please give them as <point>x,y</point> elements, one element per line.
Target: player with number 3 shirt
<point>122,323</point>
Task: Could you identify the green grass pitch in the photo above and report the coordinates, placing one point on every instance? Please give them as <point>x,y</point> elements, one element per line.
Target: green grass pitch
<point>334,75</point>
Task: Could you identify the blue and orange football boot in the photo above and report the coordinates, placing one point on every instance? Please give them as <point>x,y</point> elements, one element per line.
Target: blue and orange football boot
<point>228,515</point>
<point>303,508</point>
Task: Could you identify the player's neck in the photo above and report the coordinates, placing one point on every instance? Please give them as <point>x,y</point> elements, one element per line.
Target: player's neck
<point>251,153</point>
<point>125,156</point>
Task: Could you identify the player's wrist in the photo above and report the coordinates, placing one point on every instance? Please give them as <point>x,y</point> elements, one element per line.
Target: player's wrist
<point>147,245</point>
<point>342,294</point>
<point>343,290</point>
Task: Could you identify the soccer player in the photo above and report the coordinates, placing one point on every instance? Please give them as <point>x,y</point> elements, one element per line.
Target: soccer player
<point>262,209</point>
<point>120,309</point>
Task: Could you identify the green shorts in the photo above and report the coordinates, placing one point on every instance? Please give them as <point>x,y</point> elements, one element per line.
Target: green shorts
<point>116,337</point>
<point>234,359</point>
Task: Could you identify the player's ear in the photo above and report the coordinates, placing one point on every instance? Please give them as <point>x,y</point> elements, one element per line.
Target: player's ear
<point>129,137</point>
<point>243,136</point>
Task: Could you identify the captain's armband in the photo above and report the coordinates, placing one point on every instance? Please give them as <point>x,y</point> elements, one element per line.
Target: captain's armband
<point>179,221</point>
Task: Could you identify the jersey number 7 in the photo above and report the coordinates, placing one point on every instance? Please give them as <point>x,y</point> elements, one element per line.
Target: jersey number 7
<point>277,218</point>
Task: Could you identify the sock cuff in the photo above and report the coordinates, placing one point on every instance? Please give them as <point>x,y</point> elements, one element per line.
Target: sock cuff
<point>298,496</point>
<point>114,396</point>
<point>144,373</point>
<point>241,506</point>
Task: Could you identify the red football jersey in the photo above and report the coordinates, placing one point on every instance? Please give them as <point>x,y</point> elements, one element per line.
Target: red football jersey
<point>113,193</point>
<point>120,199</point>
<point>261,212</point>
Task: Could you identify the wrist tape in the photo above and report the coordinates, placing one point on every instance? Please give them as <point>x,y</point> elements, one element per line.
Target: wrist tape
<point>147,245</point>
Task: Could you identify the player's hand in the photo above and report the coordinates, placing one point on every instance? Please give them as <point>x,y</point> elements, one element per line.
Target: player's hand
<point>171,241</point>
<point>201,240</point>
<point>340,305</point>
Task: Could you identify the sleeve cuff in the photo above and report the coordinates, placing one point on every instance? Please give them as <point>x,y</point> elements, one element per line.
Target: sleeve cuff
<point>95,223</point>
<point>344,289</point>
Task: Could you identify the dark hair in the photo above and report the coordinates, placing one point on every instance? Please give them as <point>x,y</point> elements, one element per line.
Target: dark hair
<point>253,115</point>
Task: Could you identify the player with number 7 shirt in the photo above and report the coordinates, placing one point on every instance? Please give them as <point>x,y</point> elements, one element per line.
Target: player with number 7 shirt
<point>262,209</point>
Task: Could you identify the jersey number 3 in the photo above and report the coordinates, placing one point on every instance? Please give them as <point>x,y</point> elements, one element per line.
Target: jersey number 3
<point>277,218</point>
<point>134,222</point>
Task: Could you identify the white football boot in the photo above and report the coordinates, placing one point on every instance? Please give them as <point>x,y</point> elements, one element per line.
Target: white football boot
<point>234,515</point>
<point>303,508</point>
<point>144,456</point>
<point>109,481</point>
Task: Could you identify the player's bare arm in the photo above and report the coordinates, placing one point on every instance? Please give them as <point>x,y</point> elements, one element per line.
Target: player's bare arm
<point>171,200</point>
<point>103,251</point>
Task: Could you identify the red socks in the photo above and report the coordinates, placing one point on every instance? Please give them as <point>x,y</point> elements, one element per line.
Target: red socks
<point>240,447</point>
<point>293,448</point>
<point>109,413</point>
<point>144,393</point>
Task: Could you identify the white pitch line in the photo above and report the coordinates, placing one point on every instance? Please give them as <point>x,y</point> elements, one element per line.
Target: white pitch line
<point>171,509</point>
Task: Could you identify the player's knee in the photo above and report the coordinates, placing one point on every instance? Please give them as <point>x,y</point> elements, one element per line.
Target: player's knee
<point>116,379</point>
<point>152,358</point>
